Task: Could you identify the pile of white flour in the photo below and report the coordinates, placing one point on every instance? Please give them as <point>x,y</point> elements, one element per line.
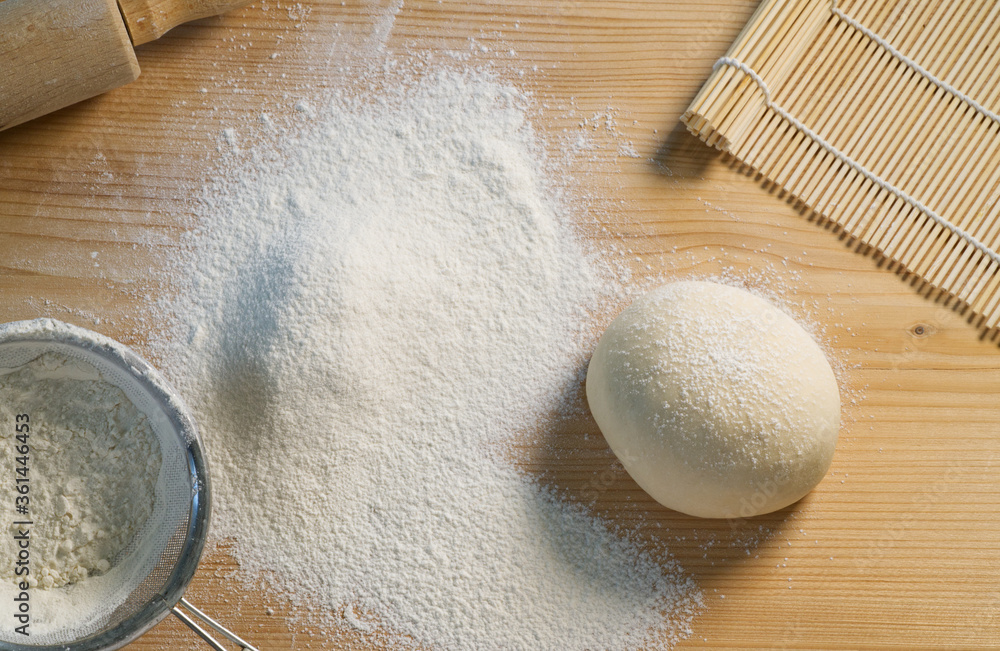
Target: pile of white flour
<point>368,310</point>
<point>93,464</point>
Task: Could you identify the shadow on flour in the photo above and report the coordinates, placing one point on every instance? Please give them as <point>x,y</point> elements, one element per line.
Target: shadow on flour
<point>574,460</point>
<point>244,382</point>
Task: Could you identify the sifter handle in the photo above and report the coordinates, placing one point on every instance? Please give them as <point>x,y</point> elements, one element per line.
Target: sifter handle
<point>148,20</point>
<point>205,635</point>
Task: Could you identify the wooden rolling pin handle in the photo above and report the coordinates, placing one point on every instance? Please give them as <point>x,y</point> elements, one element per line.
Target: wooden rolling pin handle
<point>54,53</point>
<point>148,20</point>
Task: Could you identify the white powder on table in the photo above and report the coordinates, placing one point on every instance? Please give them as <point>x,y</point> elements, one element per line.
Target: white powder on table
<point>92,465</point>
<point>368,312</point>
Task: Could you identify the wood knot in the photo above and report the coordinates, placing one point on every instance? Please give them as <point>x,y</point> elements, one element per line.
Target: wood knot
<point>922,330</point>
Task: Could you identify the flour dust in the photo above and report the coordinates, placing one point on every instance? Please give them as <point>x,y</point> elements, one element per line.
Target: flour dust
<point>372,304</point>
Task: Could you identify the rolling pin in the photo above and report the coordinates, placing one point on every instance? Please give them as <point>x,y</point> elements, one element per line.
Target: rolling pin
<point>54,53</point>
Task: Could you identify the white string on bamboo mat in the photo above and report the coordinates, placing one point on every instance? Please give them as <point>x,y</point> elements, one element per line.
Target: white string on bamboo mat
<point>927,74</point>
<point>858,167</point>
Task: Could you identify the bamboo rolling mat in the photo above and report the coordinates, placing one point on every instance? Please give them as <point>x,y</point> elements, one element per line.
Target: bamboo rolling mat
<point>879,116</point>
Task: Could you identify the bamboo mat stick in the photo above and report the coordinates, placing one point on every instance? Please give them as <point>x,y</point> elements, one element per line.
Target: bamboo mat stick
<point>879,115</point>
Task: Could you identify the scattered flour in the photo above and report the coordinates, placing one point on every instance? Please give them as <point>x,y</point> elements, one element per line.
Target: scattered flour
<point>94,462</point>
<point>369,310</point>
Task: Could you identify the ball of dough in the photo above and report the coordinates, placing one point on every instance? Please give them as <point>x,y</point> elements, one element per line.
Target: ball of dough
<point>718,404</point>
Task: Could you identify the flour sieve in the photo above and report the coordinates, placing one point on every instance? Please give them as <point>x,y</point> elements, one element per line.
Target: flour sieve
<point>148,577</point>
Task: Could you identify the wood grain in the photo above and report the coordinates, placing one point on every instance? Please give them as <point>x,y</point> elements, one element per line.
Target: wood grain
<point>898,548</point>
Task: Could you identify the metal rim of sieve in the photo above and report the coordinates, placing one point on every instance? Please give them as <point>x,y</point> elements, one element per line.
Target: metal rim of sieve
<point>157,608</point>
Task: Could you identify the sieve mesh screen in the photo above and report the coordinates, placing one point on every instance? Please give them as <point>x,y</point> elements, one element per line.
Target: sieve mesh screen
<point>96,612</point>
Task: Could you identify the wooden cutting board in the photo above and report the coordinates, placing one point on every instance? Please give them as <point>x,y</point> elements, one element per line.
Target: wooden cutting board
<point>898,547</point>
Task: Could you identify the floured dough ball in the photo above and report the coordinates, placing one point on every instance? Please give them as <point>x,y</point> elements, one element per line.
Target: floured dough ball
<point>718,404</point>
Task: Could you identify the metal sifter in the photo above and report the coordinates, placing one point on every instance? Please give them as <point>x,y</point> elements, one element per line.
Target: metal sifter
<point>148,578</point>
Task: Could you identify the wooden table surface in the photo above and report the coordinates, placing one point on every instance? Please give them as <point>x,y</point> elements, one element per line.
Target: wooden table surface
<point>899,547</point>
